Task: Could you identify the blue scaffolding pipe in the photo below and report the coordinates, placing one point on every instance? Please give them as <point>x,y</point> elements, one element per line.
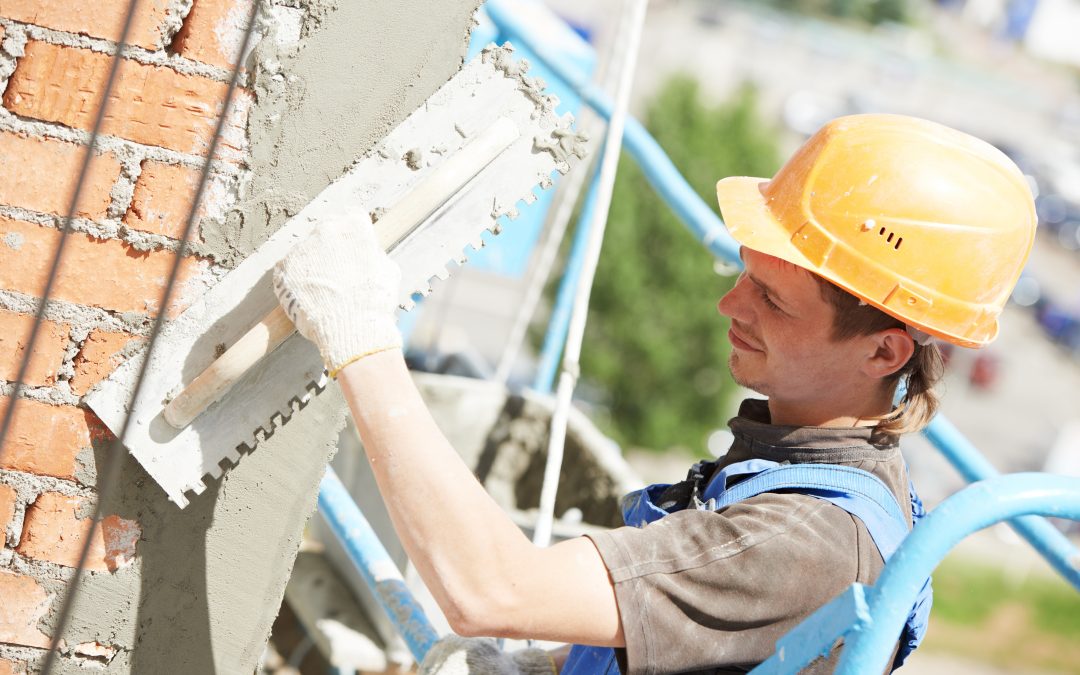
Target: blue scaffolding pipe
<point>376,566</point>
<point>559,323</point>
<point>650,157</point>
<point>973,508</point>
<point>709,229</point>
<point>816,635</point>
<point>973,466</point>
<point>870,618</point>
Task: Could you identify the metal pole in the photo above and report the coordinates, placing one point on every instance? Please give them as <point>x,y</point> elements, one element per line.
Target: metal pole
<point>539,277</point>
<point>634,20</point>
<point>376,566</point>
<point>570,191</point>
<point>973,508</point>
<point>558,323</point>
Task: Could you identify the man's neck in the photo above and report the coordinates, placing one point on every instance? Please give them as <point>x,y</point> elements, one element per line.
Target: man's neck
<point>823,413</point>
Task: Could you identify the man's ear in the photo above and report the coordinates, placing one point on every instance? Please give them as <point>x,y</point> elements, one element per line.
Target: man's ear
<point>892,349</point>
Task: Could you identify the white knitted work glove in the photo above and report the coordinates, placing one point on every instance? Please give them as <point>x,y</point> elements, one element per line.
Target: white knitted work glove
<point>340,289</point>
<point>455,655</point>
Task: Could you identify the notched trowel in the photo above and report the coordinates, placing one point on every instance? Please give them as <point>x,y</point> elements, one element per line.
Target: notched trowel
<point>480,144</point>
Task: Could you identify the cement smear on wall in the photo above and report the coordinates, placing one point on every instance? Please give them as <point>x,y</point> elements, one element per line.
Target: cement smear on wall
<point>208,580</point>
<point>359,68</point>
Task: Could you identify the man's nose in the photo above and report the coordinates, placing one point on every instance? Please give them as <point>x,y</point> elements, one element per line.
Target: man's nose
<point>733,303</point>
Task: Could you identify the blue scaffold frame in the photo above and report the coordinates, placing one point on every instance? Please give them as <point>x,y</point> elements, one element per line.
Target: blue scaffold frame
<point>870,618</point>
<point>375,565</point>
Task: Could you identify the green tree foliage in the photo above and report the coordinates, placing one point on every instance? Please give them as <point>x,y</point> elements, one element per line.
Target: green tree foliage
<point>865,11</point>
<point>655,342</point>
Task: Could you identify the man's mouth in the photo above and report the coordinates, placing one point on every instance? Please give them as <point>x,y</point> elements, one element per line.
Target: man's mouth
<point>739,342</point>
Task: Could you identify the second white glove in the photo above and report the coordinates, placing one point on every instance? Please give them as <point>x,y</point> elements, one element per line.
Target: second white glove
<point>456,655</point>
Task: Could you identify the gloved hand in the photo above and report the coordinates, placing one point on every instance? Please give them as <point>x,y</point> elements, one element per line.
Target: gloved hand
<point>456,655</point>
<point>340,289</point>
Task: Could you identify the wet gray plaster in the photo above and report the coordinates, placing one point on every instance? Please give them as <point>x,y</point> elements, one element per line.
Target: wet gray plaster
<point>208,580</point>
<point>175,14</point>
<point>358,70</point>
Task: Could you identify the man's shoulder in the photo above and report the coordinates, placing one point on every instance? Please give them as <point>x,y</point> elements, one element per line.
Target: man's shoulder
<point>884,462</point>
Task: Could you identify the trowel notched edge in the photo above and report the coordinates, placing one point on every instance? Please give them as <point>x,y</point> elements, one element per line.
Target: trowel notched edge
<point>490,87</point>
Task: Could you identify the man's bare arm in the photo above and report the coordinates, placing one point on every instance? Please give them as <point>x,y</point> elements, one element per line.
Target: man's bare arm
<point>340,289</point>
<point>487,577</point>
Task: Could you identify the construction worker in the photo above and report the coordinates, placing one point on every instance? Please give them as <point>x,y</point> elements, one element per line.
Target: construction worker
<point>880,235</point>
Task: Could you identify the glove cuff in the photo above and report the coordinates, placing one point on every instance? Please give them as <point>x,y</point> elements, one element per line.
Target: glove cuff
<point>369,336</point>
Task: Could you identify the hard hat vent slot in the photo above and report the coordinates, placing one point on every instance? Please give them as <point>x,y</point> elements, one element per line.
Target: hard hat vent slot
<point>889,239</point>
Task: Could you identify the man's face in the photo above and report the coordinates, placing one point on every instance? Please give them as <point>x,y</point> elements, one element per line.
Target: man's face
<point>782,334</point>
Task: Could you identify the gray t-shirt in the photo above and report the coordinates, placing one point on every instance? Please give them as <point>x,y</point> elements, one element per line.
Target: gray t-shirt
<point>712,591</point>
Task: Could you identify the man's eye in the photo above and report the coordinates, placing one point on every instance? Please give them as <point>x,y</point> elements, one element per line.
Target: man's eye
<point>768,301</point>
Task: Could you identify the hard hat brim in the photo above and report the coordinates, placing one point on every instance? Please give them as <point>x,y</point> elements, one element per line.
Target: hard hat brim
<point>749,221</point>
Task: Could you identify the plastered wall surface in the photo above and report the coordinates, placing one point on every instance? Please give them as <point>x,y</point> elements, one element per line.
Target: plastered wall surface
<point>316,110</point>
<point>169,590</point>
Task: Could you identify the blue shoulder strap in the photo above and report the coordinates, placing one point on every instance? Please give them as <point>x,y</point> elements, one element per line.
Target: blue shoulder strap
<point>858,492</point>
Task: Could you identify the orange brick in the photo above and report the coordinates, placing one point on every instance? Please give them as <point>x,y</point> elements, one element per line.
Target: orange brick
<point>7,508</point>
<point>150,104</point>
<point>96,18</point>
<point>213,31</point>
<point>25,603</point>
<point>99,356</point>
<point>48,353</point>
<point>45,439</point>
<point>7,667</point>
<point>102,273</point>
<point>53,531</point>
<point>40,174</point>
<point>162,199</point>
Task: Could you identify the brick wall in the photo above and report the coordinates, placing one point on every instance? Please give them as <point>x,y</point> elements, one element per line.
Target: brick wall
<point>54,58</point>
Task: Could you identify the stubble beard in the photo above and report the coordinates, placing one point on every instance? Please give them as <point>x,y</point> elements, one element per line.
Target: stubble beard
<point>740,378</point>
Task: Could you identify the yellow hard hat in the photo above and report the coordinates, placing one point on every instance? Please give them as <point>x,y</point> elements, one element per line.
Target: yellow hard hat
<point>926,223</point>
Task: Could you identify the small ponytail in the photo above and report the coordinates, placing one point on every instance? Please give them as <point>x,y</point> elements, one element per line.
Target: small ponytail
<point>919,404</point>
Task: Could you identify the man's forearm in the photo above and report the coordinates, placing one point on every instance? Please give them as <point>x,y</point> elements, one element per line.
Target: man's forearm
<point>340,288</point>
<point>454,532</point>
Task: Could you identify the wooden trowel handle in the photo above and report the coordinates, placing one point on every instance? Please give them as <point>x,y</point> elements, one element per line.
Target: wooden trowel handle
<point>406,215</point>
<point>263,338</point>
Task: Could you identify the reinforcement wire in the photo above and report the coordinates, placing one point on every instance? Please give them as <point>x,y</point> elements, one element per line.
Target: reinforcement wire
<point>114,452</point>
<point>65,231</point>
